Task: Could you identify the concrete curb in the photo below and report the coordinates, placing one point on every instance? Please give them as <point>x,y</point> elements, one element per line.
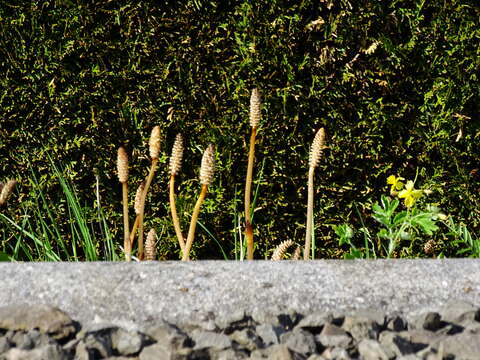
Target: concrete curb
<point>136,295</point>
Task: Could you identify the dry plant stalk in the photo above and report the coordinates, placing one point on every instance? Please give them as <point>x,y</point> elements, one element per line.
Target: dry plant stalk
<point>6,190</point>
<point>255,114</point>
<point>297,253</point>
<point>150,246</point>
<point>281,250</point>
<point>175,166</point>
<point>315,153</point>
<point>206,176</point>
<point>138,199</point>
<point>122,168</point>
<point>154,147</point>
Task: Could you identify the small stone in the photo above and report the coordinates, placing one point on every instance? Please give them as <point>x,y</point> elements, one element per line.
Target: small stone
<point>336,353</point>
<point>39,339</point>
<point>233,321</point>
<point>316,357</point>
<point>167,336</point>
<point>432,321</point>
<point>287,321</point>
<point>279,352</point>
<point>332,336</point>
<point>395,345</point>
<point>420,338</point>
<point>259,354</point>
<point>229,354</point>
<point>208,339</point>
<point>5,344</point>
<point>361,327</point>
<point>246,338</point>
<point>22,340</point>
<point>97,343</point>
<point>48,352</point>
<point>465,346</point>
<point>458,311</point>
<point>371,350</point>
<point>396,323</point>
<point>428,321</point>
<point>47,319</point>
<point>314,322</point>
<point>299,341</point>
<point>269,333</point>
<point>126,342</point>
<point>157,351</point>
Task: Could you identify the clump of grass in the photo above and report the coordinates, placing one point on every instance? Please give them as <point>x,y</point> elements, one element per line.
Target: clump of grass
<point>150,246</point>
<point>154,147</point>
<point>255,115</point>
<point>6,190</point>
<point>122,169</point>
<point>40,234</point>
<point>175,166</point>
<point>315,154</point>
<point>206,176</point>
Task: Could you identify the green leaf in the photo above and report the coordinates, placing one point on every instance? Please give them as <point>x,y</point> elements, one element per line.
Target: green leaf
<point>345,234</point>
<point>400,218</point>
<point>425,222</point>
<point>4,257</point>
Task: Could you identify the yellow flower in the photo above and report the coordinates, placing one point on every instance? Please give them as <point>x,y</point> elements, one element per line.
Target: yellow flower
<point>410,194</point>
<point>396,183</point>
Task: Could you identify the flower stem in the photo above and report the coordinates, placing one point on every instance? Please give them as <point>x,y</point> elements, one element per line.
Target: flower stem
<point>193,223</point>
<point>126,228</point>
<point>142,207</point>
<point>173,209</point>
<point>308,234</point>
<point>248,192</point>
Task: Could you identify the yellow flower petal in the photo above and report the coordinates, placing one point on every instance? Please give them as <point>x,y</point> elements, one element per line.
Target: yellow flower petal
<point>391,179</point>
<point>417,194</point>
<point>409,201</point>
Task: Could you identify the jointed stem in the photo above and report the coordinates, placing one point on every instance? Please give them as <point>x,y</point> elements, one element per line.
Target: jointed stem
<point>126,240</point>
<point>142,207</point>
<point>248,191</point>
<point>308,235</point>
<point>193,223</point>
<point>134,229</point>
<point>176,221</point>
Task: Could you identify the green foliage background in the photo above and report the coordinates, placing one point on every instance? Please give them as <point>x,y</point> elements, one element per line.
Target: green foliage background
<point>79,78</point>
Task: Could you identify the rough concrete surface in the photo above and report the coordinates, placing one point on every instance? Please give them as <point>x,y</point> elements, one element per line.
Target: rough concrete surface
<point>135,295</point>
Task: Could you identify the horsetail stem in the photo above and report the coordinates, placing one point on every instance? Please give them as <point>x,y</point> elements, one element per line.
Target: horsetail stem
<point>206,176</point>
<point>175,165</point>
<point>138,200</point>
<point>154,147</point>
<point>122,169</point>
<point>6,190</point>
<point>315,153</point>
<point>255,114</point>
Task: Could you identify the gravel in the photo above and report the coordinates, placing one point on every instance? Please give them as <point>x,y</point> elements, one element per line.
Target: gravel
<point>253,310</point>
<point>46,332</point>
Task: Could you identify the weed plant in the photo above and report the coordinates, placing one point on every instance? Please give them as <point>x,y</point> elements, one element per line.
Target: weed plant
<point>39,235</point>
<point>362,70</point>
